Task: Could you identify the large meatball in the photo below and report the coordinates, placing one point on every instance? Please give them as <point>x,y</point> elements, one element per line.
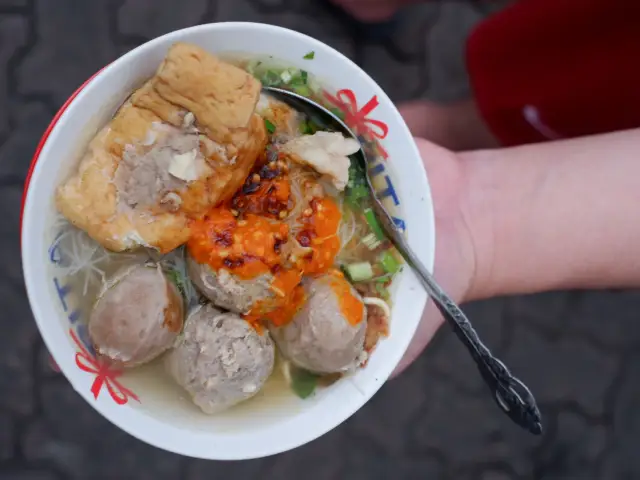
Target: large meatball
<point>327,334</point>
<point>220,359</point>
<point>138,315</point>
<point>227,291</point>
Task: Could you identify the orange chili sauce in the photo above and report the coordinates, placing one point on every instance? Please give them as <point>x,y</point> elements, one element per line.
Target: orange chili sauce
<point>248,247</point>
<point>320,232</point>
<point>351,306</point>
<point>280,310</point>
<point>271,197</point>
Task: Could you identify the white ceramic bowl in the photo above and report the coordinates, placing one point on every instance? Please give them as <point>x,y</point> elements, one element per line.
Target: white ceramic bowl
<point>262,428</point>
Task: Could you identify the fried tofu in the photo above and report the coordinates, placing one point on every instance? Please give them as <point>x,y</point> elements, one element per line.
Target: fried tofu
<point>195,107</point>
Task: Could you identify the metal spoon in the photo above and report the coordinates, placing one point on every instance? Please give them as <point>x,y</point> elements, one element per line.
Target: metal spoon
<point>511,395</point>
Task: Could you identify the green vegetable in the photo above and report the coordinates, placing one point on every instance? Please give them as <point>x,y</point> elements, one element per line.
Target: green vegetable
<point>176,278</point>
<point>297,77</point>
<point>269,126</point>
<point>310,56</point>
<point>298,82</point>
<point>303,382</point>
<point>389,262</point>
<point>372,220</point>
<point>355,194</point>
<point>309,127</point>
<point>271,79</point>
<point>173,276</point>
<point>356,173</point>
<point>303,90</point>
<point>357,188</point>
<point>359,272</point>
<point>305,128</point>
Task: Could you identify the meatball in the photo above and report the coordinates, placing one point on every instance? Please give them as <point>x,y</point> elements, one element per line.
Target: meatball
<point>220,359</point>
<point>138,315</point>
<point>227,291</point>
<point>327,334</point>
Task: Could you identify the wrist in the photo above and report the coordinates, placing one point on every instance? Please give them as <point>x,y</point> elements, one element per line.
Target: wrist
<point>552,216</point>
<point>478,206</point>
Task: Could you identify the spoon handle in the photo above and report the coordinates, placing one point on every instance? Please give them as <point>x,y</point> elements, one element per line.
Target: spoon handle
<point>511,395</point>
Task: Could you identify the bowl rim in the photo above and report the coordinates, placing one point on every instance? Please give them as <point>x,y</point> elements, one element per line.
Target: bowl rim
<point>325,424</point>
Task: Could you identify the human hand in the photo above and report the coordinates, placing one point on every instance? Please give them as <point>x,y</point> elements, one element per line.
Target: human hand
<point>455,249</point>
<point>512,221</point>
<point>372,10</point>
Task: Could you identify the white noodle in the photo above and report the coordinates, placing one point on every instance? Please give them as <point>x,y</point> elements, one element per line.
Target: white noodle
<point>286,372</point>
<point>378,302</point>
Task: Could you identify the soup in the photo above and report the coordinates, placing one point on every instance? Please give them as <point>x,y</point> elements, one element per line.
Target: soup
<point>224,246</point>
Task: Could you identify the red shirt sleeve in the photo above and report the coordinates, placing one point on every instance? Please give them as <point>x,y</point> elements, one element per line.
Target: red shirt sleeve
<point>548,69</point>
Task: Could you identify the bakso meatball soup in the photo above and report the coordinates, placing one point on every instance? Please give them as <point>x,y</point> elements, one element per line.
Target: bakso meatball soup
<point>224,237</point>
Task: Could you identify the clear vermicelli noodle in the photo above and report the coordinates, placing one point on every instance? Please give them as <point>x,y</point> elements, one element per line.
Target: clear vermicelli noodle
<point>234,227</point>
<point>348,234</point>
<point>298,177</point>
<point>79,257</point>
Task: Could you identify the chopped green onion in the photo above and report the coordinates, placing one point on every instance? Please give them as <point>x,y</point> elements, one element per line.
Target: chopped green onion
<point>389,262</point>
<point>298,77</point>
<point>303,90</point>
<point>271,79</point>
<point>305,128</point>
<point>359,272</point>
<point>371,241</point>
<point>371,219</point>
<point>286,76</point>
<point>303,382</point>
<point>310,56</point>
<point>308,128</point>
<point>269,126</point>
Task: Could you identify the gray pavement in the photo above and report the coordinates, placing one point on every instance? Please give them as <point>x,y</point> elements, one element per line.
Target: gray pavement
<point>578,351</point>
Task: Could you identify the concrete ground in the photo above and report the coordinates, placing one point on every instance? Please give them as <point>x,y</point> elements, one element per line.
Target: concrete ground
<point>578,351</point>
